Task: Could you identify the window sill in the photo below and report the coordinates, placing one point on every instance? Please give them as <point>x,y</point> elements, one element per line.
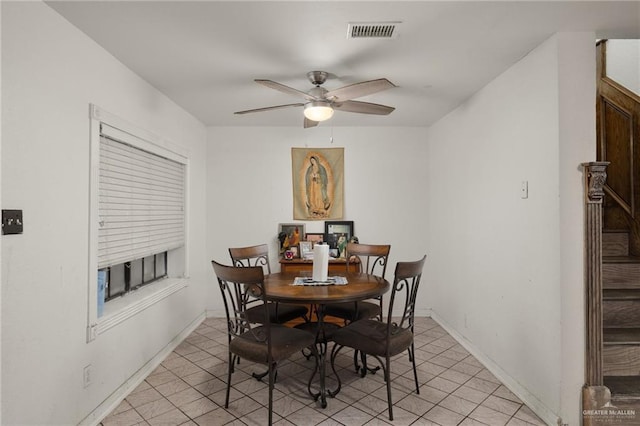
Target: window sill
<point>119,310</point>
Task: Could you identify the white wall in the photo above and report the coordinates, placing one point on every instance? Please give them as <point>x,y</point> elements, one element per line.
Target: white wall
<point>623,63</point>
<point>503,273</point>
<point>577,88</point>
<point>249,188</point>
<point>507,272</point>
<point>51,72</point>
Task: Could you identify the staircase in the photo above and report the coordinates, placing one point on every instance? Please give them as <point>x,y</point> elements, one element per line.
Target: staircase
<point>621,319</point>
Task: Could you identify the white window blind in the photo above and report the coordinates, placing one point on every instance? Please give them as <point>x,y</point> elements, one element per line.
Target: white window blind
<point>140,204</point>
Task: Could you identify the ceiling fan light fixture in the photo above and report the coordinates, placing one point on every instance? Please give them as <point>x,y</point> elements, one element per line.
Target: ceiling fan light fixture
<point>318,110</point>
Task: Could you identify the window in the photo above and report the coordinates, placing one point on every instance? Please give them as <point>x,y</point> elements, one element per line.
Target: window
<point>138,231</point>
<point>128,276</point>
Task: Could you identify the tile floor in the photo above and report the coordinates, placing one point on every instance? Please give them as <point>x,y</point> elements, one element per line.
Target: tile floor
<point>188,388</point>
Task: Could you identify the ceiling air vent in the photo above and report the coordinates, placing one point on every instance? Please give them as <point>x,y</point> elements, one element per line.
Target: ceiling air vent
<point>372,29</point>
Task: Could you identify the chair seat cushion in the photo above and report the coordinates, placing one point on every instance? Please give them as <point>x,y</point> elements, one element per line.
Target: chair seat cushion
<point>279,313</point>
<point>370,337</point>
<point>353,311</point>
<point>285,341</point>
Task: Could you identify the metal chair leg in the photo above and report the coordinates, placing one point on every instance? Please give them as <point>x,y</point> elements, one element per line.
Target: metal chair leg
<point>231,362</point>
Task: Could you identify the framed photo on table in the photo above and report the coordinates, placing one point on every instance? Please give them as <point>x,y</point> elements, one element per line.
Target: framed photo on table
<point>290,235</point>
<point>315,237</point>
<point>306,249</point>
<point>338,233</point>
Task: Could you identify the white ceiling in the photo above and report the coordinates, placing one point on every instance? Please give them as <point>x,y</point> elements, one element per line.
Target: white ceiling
<point>205,54</point>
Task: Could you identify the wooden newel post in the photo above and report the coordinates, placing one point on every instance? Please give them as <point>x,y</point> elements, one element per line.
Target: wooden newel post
<point>595,175</point>
<point>594,393</point>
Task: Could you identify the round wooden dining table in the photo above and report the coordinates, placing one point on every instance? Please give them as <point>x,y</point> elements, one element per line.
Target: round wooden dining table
<point>279,287</point>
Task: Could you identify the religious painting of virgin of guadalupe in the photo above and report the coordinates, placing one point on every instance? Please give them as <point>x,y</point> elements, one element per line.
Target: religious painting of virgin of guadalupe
<point>318,183</point>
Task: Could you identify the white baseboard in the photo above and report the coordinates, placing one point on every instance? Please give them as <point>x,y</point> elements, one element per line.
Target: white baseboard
<point>541,410</point>
<point>108,405</point>
<point>216,313</point>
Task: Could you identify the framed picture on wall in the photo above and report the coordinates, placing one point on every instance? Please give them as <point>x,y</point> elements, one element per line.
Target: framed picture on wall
<point>290,235</point>
<point>338,233</point>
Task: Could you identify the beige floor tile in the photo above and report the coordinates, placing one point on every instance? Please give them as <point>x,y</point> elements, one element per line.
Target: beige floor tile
<point>486,375</point>
<point>471,422</point>
<point>199,377</point>
<point>125,418</point>
<point>432,395</point>
<point>372,405</point>
<point>482,385</point>
<point>488,416</point>
<point>172,417</point>
<point>451,353</point>
<point>517,422</point>
<point>155,408</point>
<point>140,398</point>
<point>210,386</point>
<point>307,415</point>
<point>458,405</point>
<point>471,394</point>
<point>443,416</point>
<point>159,378</point>
<point>352,416</point>
<point>501,405</point>
<point>525,413</point>
<point>198,407</point>
<point>123,406</point>
<point>455,376</point>
<point>443,384</point>
<point>184,397</point>
<point>217,417</point>
<point>189,388</point>
<point>414,404</point>
<point>505,393</point>
<point>172,387</point>
<point>400,417</point>
<point>466,368</point>
<point>287,405</point>
<point>376,421</point>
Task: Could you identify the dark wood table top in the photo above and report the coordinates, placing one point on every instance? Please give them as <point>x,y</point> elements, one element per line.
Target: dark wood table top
<point>279,288</point>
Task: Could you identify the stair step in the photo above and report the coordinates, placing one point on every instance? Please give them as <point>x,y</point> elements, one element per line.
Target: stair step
<point>630,416</point>
<point>621,360</point>
<point>615,243</point>
<point>624,388</point>
<point>621,313</point>
<point>620,272</point>
<point>621,294</point>
<point>621,336</point>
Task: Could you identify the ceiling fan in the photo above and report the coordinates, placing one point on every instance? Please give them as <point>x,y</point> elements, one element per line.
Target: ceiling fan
<point>321,103</point>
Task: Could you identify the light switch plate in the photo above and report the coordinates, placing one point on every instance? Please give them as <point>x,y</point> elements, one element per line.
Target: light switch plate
<point>11,222</point>
<point>524,189</point>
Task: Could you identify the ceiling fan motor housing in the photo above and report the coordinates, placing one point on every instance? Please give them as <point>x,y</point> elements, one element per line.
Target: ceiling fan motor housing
<point>317,77</point>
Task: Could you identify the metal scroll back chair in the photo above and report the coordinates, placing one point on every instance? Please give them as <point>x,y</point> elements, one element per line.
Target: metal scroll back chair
<point>265,343</point>
<point>279,313</point>
<point>372,259</point>
<point>383,340</point>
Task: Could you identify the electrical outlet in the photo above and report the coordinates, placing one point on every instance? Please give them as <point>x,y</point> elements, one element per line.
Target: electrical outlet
<point>87,376</point>
<point>92,332</point>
